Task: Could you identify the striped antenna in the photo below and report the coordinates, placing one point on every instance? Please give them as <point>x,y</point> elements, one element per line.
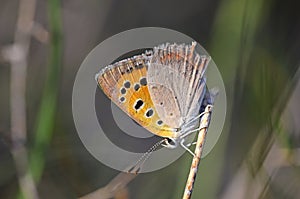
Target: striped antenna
<point>137,166</point>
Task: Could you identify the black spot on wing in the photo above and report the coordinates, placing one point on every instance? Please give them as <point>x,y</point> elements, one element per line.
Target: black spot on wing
<point>123,91</point>
<point>149,113</point>
<point>127,84</point>
<point>122,99</point>
<point>139,103</point>
<point>143,81</point>
<point>136,87</point>
<point>159,122</point>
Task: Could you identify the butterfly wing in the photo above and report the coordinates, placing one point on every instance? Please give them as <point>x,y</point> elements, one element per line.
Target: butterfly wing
<point>177,71</point>
<point>125,83</point>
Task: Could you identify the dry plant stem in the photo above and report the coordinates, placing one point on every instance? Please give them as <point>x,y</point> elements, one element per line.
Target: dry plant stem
<point>198,151</point>
<point>116,185</point>
<point>17,55</point>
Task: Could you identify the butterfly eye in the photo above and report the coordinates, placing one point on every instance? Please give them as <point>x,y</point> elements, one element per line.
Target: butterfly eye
<point>171,142</point>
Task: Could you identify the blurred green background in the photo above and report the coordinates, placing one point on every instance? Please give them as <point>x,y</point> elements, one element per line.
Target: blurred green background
<point>254,43</point>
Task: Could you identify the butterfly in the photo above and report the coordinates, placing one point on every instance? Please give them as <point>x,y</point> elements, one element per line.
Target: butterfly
<point>163,90</point>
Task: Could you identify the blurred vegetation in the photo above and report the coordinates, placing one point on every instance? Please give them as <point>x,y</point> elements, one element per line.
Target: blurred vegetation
<point>45,124</point>
<point>254,43</point>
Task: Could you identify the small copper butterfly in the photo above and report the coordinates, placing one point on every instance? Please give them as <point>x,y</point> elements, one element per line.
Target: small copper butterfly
<point>163,89</point>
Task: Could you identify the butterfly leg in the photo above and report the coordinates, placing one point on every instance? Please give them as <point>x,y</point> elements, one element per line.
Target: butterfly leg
<point>190,132</point>
<point>186,147</point>
<point>197,129</point>
<point>190,144</point>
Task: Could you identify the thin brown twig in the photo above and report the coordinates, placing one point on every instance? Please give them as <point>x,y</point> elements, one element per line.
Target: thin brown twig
<point>204,123</point>
<point>17,55</point>
<point>116,185</point>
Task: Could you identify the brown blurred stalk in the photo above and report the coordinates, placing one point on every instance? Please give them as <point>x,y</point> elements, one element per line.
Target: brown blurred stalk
<point>17,54</point>
<point>116,188</point>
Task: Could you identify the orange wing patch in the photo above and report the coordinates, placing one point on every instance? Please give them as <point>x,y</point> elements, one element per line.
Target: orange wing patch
<point>125,84</point>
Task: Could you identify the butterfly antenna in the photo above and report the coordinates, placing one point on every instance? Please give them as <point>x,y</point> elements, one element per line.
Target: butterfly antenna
<point>140,162</point>
<point>151,151</point>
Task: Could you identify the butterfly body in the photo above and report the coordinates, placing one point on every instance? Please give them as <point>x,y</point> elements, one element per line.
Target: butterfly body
<point>162,90</point>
